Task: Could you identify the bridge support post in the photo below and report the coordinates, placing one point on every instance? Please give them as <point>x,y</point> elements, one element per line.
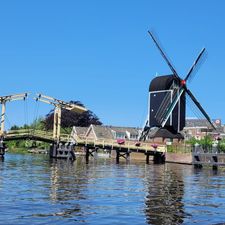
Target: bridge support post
<point>2,149</point>
<point>159,158</point>
<point>89,152</point>
<point>125,155</point>
<point>3,118</point>
<point>117,156</point>
<point>53,150</point>
<point>147,158</point>
<point>61,151</point>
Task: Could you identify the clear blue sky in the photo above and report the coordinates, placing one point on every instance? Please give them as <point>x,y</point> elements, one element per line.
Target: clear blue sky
<point>99,52</point>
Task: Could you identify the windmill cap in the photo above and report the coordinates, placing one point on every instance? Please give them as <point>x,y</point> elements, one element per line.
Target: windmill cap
<point>161,83</point>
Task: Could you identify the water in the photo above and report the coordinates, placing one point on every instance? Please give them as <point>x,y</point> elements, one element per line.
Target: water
<point>35,190</point>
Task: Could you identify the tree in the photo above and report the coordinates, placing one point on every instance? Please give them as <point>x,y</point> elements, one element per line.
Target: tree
<point>70,119</point>
<point>14,127</point>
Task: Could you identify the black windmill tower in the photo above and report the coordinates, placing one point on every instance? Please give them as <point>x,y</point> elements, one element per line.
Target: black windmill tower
<point>167,101</point>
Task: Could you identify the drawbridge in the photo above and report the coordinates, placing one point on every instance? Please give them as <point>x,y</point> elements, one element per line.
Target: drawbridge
<point>56,138</point>
<point>62,145</point>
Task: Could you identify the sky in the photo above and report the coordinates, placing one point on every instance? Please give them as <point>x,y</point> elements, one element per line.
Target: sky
<point>99,52</point>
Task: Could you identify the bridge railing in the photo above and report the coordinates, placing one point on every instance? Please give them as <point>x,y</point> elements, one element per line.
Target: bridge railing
<point>129,144</point>
<point>28,131</point>
<point>36,133</point>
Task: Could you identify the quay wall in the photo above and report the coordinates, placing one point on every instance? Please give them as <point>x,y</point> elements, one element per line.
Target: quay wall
<point>182,158</point>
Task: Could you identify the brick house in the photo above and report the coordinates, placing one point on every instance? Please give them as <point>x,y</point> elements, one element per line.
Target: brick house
<point>199,128</point>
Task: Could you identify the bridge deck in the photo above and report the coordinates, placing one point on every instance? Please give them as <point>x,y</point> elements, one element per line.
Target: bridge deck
<point>108,144</point>
<point>113,145</point>
<point>36,135</point>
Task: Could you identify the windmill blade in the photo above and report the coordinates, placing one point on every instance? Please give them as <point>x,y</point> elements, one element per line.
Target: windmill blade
<point>171,107</point>
<point>194,65</point>
<point>200,107</point>
<point>144,133</point>
<point>165,103</point>
<point>164,56</point>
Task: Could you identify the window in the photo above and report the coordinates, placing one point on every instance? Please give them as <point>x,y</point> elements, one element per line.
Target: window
<point>120,135</point>
<point>133,137</point>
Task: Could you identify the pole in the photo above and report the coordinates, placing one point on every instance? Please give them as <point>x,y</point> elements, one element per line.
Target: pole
<point>3,117</point>
<point>55,122</point>
<point>59,123</point>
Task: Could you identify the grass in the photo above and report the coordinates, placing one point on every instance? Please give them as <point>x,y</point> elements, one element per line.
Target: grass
<point>18,150</point>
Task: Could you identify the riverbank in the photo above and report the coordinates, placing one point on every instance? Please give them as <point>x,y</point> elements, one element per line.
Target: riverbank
<point>27,151</point>
<point>17,150</point>
<point>180,158</point>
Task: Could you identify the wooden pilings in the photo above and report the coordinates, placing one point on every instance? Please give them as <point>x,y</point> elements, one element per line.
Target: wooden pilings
<point>122,153</point>
<point>147,158</point>
<point>125,155</point>
<point>208,159</point>
<point>158,157</point>
<point>2,149</point>
<point>89,152</point>
<point>61,151</point>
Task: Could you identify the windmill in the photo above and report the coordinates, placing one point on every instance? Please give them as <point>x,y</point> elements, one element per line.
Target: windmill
<point>167,96</point>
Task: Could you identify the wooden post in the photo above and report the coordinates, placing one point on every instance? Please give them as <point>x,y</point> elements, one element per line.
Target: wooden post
<point>87,154</point>
<point>147,158</point>
<point>117,156</point>
<point>3,118</point>
<point>128,156</point>
<point>55,122</point>
<point>159,158</point>
<point>59,123</point>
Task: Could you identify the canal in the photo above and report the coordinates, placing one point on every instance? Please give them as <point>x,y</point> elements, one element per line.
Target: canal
<point>35,190</point>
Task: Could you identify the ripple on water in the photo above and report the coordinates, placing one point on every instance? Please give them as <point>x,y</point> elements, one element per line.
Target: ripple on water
<point>36,190</point>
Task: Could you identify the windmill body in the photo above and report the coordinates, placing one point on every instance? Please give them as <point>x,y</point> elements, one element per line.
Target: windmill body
<point>160,97</point>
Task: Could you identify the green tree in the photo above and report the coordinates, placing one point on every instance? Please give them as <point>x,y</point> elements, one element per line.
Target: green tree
<point>70,119</point>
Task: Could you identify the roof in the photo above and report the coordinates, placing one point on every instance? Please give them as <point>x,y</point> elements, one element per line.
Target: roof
<point>161,83</point>
<point>164,133</point>
<point>131,130</point>
<point>197,123</point>
<point>81,130</point>
<point>203,123</point>
<point>102,131</point>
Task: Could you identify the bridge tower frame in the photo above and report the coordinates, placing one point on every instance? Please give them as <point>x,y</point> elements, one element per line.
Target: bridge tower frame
<point>3,101</point>
<point>59,105</point>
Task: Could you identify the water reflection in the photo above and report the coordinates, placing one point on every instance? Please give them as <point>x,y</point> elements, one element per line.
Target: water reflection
<point>35,190</point>
<point>67,185</point>
<point>164,199</point>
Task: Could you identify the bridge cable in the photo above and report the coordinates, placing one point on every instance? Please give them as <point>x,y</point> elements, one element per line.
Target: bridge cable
<point>36,111</point>
<point>8,121</point>
<point>26,116</point>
